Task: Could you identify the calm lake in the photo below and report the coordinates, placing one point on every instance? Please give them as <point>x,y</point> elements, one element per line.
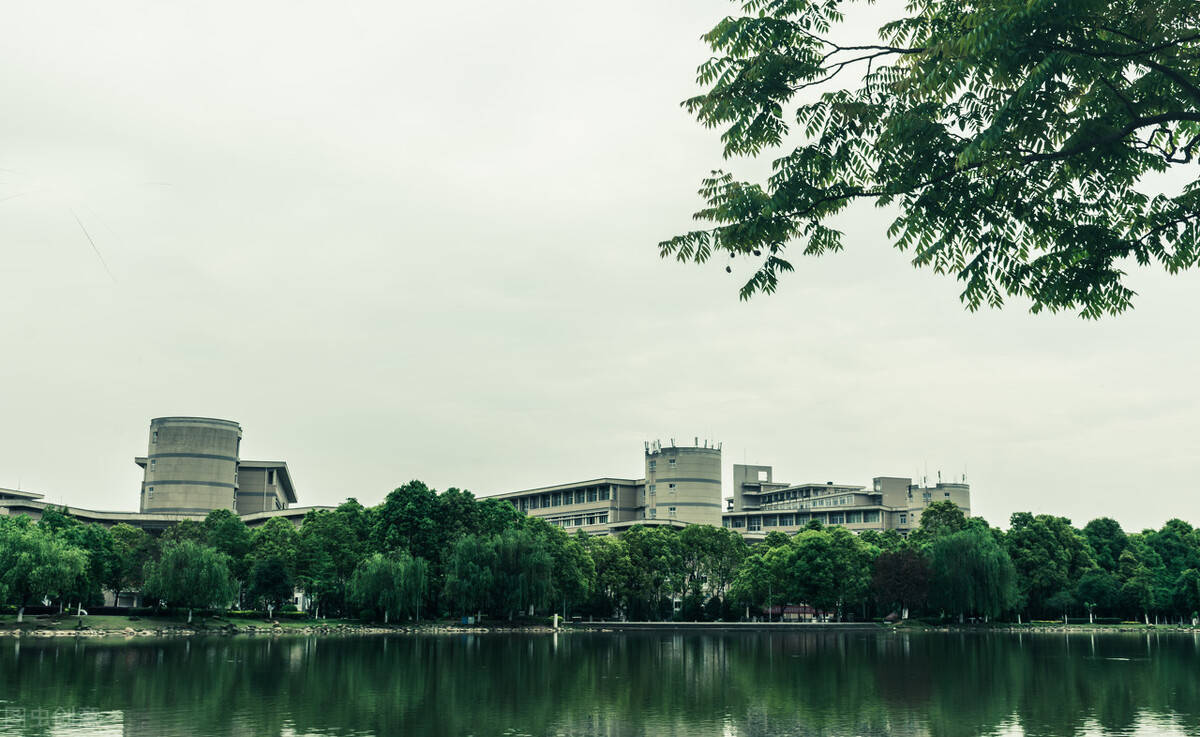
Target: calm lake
<point>809,683</point>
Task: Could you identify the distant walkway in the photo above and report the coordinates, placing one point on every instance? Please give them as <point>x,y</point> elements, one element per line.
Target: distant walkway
<point>727,626</point>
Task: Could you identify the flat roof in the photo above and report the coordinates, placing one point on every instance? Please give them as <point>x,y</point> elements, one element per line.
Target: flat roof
<point>22,494</point>
<point>285,476</point>
<point>607,480</point>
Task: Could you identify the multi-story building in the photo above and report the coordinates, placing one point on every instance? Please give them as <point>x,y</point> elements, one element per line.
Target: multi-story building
<point>192,467</point>
<point>682,485</point>
<point>761,505</point>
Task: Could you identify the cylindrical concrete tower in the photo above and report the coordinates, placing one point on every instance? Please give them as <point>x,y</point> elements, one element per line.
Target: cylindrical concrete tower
<point>683,483</point>
<point>191,467</point>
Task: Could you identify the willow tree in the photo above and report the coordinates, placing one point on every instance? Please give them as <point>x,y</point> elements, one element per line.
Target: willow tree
<point>35,564</point>
<point>391,584</point>
<point>1012,138</point>
<point>191,576</point>
<point>971,573</point>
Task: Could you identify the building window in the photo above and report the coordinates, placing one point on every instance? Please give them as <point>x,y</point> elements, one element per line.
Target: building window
<point>670,486</point>
<point>672,461</point>
<point>652,487</point>
<point>653,513</point>
<point>870,516</point>
<point>153,463</point>
<point>154,437</point>
<point>947,495</point>
<point>904,519</point>
<point>151,490</point>
<point>604,494</point>
<point>602,519</point>
<point>652,464</point>
<point>754,524</point>
<point>271,476</point>
<point>836,518</point>
<point>671,511</point>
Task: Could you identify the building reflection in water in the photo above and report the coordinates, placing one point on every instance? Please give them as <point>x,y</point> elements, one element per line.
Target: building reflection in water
<point>603,684</point>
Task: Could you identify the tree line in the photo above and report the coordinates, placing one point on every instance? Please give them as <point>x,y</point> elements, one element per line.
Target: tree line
<point>420,554</point>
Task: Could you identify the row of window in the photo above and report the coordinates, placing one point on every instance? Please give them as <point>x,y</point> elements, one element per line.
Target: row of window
<point>562,498</point>
<point>790,494</point>
<point>654,464</point>
<point>581,520</point>
<point>756,523</point>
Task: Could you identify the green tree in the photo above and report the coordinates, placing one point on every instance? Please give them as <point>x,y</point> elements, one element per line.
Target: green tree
<point>1099,588</point>
<point>271,584</point>
<point>1185,594</point>
<point>938,519</point>
<point>35,563</point>
<point>390,585</point>
<point>1175,545</point>
<point>457,513</point>
<point>191,576</point>
<point>658,573</point>
<point>226,533</point>
<point>612,588</point>
<point>407,520</point>
<point>900,578</point>
<point>830,569</point>
<point>971,574</point>
<point>497,515</point>
<point>1107,540</point>
<point>1050,556</point>
<point>332,543</point>
<point>709,557</point>
<point>133,547</point>
<point>278,538</point>
<point>1011,138</point>
<point>1145,581</point>
<point>572,569</point>
<point>470,571</point>
<point>99,545</point>
<point>758,581</point>
<point>57,520</point>
<point>523,573</point>
<point>186,530</point>
<point>375,585</point>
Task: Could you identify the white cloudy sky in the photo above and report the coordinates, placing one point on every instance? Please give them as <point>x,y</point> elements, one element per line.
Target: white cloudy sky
<point>418,240</point>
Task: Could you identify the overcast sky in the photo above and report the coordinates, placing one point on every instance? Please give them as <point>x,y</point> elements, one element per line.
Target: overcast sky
<point>418,240</point>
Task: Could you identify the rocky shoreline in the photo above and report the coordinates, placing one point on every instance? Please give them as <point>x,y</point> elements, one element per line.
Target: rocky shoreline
<point>272,630</point>
<point>348,630</point>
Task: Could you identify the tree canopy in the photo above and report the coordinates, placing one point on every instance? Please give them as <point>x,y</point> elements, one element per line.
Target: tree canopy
<point>1013,138</point>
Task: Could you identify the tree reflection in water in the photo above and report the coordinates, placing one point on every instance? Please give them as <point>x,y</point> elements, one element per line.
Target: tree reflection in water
<point>807,683</point>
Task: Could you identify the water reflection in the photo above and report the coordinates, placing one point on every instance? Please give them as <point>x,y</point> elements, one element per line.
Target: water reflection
<point>749,685</point>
